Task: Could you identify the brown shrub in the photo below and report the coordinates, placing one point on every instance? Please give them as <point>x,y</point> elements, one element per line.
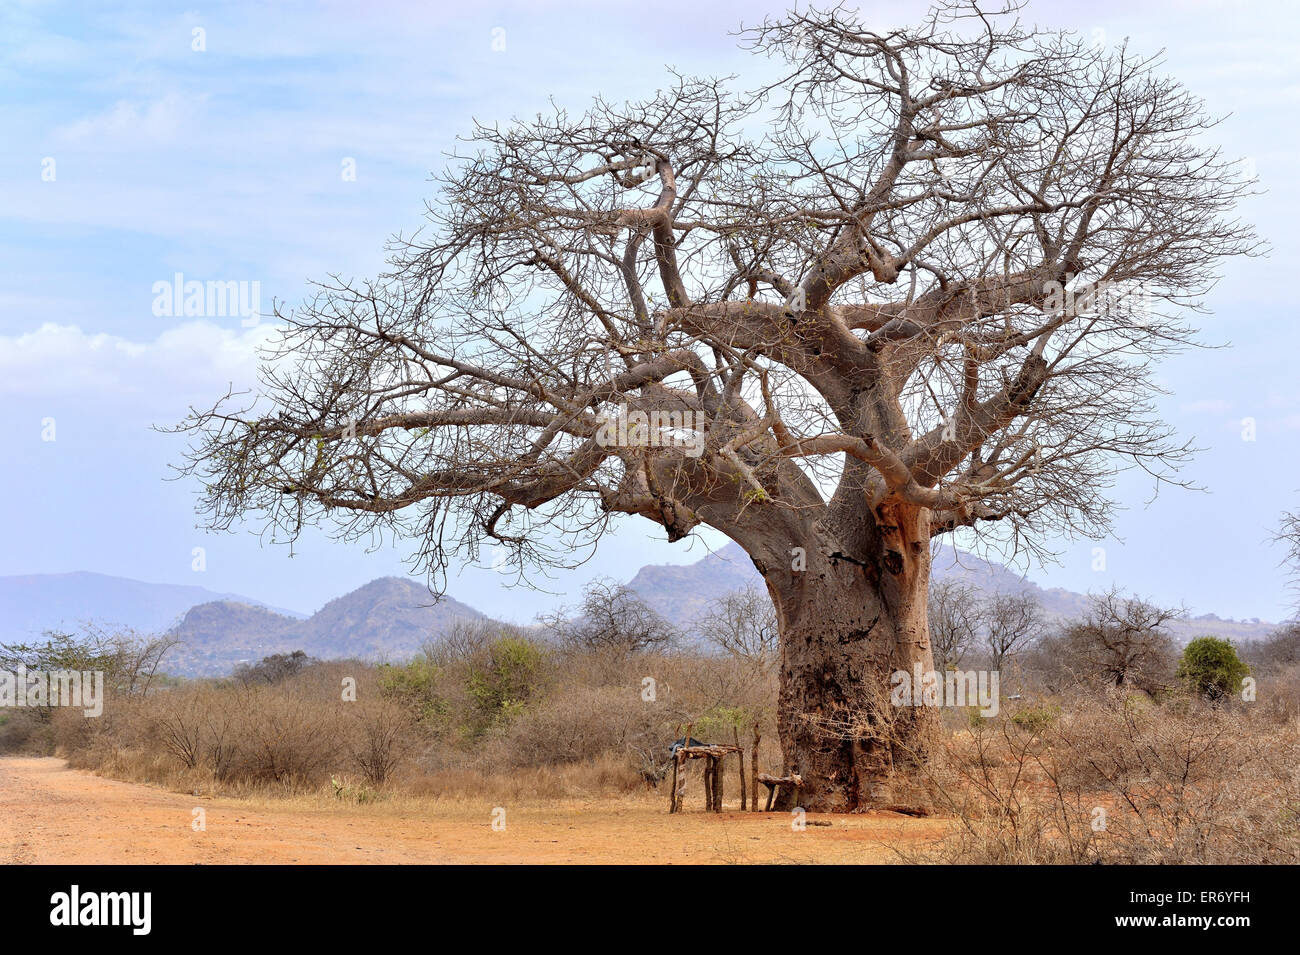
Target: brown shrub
<point>380,737</point>
<point>1123,780</point>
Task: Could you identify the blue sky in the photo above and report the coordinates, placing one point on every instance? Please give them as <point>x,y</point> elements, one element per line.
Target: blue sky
<point>224,164</point>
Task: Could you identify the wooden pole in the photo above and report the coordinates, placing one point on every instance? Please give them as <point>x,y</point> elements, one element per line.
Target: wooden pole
<point>679,778</point>
<point>753,773</point>
<point>672,793</point>
<point>718,775</point>
<point>740,758</point>
<point>681,782</point>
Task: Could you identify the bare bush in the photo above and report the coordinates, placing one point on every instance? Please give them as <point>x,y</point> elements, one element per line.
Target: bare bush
<point>380,740</point>
<point>1122,642</point>
<point>584,722</point>
<point>612,617</point>
<point>283,736</point>
<point>462,640</point>
<point>954,612</point>
<point>1279,651</point>
<point>179,724</point>
<point>743,623</point>
<point>1123,780</point>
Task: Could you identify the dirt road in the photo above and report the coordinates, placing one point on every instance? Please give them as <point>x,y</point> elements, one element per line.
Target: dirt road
<point>52,814</point>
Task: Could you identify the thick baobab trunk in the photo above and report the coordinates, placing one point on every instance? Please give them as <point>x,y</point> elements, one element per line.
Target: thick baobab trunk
<point>848,623</point>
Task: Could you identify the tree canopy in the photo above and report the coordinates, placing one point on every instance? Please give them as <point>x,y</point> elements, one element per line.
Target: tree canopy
<point>928,267</point>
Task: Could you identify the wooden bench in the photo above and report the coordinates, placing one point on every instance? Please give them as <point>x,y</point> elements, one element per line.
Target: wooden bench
<point>773,783</point>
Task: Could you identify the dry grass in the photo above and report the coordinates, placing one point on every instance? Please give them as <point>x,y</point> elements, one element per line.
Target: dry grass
<point>581,727</point>
<point>1121,781</point>
<point>1081,777</point>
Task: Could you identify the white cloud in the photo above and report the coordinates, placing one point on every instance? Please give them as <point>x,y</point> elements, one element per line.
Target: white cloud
<point>1214,406</point>
<point>190,360</point>
<point>126,123</point>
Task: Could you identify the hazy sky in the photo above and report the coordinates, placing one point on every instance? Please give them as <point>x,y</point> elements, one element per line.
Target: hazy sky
<point>127,156</point>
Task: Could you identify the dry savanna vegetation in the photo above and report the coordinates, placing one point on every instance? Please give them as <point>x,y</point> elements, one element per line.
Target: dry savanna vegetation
<point>1109,744</point>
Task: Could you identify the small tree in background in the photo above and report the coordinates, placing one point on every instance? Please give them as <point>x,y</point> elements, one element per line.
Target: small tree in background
<point>274,668</point>
<point>128,660</point>
<point>743,623</point>
<point>1010,623</point>
<point>1122,642</point>
<point>954,612</point>
<point>1211,667</point>
<point>612,617</point>
<point>1289,534</point>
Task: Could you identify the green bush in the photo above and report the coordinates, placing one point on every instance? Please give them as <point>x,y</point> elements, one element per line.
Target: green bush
<point>1211,667</point>
<point>415,687</point>
<point>510,677</point>
<point>718,724</point>
<point>1036,718</point>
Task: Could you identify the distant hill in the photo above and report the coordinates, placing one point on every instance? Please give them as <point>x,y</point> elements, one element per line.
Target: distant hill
<point>682,592</point>
<point>215,636</point>
<point>391,617</point>
<point>388,618</point>
<point>34,603</point>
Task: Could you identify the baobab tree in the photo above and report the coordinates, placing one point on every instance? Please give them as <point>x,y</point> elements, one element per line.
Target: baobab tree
<point>913,285</point>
